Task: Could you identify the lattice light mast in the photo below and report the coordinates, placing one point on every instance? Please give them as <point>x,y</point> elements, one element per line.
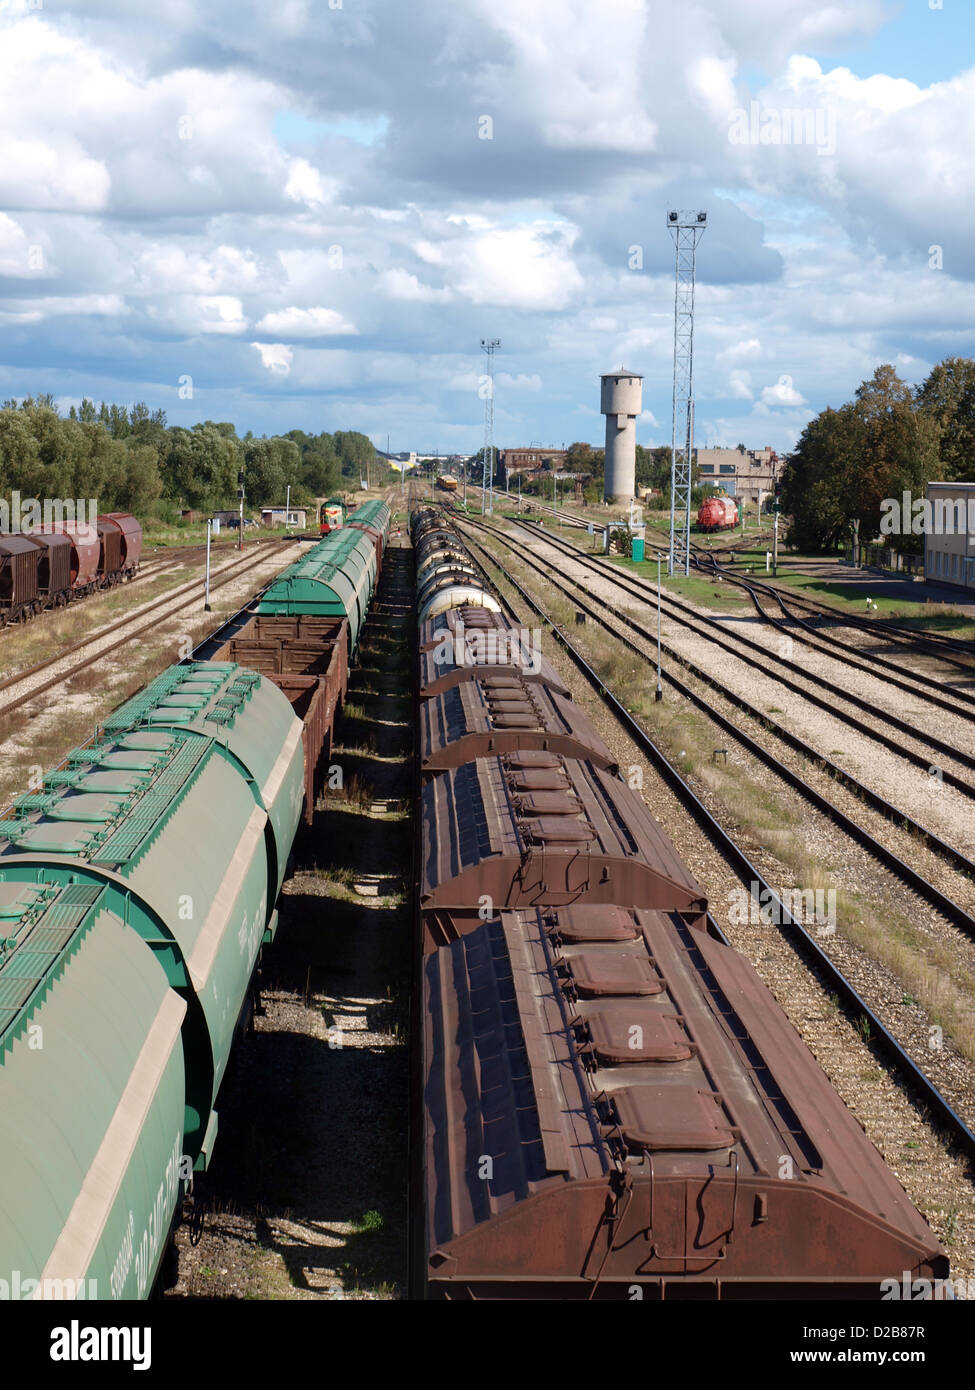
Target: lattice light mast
<point>487,473</point>
<point>686,228</point>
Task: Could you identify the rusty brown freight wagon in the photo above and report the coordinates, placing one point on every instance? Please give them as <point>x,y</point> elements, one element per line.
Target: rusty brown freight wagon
<point>306,658</point>
<point>18,578</point>
<point>613,1102</point>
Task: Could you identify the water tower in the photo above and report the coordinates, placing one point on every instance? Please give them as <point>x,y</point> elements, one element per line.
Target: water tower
<point>621,402</point>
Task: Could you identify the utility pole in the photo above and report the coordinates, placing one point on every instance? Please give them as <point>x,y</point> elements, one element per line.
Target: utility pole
<point>659,693</point>
<point>240,494</point>
<point>206,585</point>
<point>287,510</point>
<point>686,228</point>
<point>489,345</point>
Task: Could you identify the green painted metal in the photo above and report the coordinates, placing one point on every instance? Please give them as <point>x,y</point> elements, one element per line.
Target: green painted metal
<point>335,579</point>
<point>80,994</point>
<point>136,887</point>
<point>255,727</point>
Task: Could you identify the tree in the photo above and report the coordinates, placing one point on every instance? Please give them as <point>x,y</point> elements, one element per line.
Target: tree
<point>947,398</point>
<point>848,461</point>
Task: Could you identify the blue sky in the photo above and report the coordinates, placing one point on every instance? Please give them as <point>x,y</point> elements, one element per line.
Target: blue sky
<point>309,215</point>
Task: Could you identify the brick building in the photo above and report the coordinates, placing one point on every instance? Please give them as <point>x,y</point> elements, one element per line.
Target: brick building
<point>747,475</point>
<point>528,460</point>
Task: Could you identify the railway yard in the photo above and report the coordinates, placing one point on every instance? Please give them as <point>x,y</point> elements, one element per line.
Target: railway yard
<point>504,974</point>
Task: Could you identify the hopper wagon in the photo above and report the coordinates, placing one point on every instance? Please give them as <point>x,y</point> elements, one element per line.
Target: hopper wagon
<point>611,1104</point>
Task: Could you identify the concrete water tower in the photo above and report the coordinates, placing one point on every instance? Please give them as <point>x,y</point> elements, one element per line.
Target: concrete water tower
<point>621,402</point>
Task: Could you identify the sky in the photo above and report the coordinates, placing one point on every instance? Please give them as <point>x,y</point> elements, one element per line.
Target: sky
<point>307,214</point>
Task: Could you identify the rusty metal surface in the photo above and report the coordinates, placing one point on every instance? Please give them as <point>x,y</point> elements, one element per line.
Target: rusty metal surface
<point>727,1169</point>
<point>480,841</point>
<point>110,536</point>
<point>478,719</point>
<point>292,645</point>
<point>85,551</point>
<point>130,538</point>
<point>54,563</point>
<point>500,653</point>
<point>307,657</point>
<point>18,571</point>
<point>458,621</point>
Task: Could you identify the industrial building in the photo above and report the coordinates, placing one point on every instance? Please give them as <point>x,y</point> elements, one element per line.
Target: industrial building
<point>528,460</point>
<point>745,474</point>
<point>949,539</point>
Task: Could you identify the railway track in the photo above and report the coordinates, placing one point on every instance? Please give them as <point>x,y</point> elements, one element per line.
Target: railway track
<point>936,691</point>
<point>944,649</point>
<point>749,873</point>
<point>952,911</point>
<point>188,595</point>
<point>759,657</point>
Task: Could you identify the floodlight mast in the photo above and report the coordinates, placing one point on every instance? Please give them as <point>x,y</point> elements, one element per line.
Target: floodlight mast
<point>489,345</point>
<point>686,228</point>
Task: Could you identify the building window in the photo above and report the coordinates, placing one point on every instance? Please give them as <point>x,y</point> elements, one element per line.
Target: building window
<point>727,468</point>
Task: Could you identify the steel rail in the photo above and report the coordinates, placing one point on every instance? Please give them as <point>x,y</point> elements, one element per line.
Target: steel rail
<point>748,873</point>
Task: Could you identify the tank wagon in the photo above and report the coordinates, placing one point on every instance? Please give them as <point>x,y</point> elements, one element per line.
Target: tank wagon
<point>56,564</point>
<point>611,1098</point>
<point>446,576</point>
<point>717,514</point>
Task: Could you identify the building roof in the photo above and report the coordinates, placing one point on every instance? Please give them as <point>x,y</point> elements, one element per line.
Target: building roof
<point>622,371</point>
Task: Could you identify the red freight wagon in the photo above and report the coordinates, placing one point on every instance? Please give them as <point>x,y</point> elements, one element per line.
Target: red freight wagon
<point>85,551</point>
<point>130,539</point>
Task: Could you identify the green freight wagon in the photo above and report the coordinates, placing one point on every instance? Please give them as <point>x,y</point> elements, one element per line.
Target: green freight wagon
<point>136,889</point>
<point>336,579</point>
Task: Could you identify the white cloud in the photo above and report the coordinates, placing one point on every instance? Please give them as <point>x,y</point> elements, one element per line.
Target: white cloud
<point>526,267</point>
<point>190,314</point>
<point>739,385</point>
<point>782,393</point>
<point>306,323</point>
<point>276,357</point>
<point>402,285</point>
<point>744,350</point>
<point>306,185</point>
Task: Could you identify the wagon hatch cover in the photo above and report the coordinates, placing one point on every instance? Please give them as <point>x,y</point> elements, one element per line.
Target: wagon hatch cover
<point>613,972</point>
<point>670,1117</point>
<point>593,924</point>
<point>624,1030</point>
<point>86,806</point>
